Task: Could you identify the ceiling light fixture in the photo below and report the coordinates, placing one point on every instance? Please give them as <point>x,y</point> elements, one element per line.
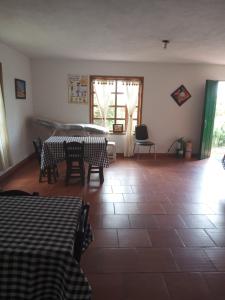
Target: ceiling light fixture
<point>165,43</point>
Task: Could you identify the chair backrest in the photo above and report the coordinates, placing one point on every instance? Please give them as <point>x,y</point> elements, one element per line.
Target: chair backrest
<point>74,151</point>
<point>38,148</point>
<point>81,232</point>
<point>17,193</point>
<point>141,132</point>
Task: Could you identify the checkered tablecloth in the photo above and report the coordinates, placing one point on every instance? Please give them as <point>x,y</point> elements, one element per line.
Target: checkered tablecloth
<point>95,151</point>
<point>37,237</point>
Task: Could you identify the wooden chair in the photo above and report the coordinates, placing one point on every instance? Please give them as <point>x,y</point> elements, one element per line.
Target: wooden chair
<point>17,193</point>
<point>50,171</point>
<point>142,139</point>
<point>74,154</point>
<point>96,169</point>
<point>81,233</point>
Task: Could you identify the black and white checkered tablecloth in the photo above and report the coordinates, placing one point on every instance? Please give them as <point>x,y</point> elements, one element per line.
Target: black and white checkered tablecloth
<point>94,150</point>
<point>36,249</point>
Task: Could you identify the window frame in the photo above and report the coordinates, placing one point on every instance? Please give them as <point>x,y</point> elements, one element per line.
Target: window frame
<point>117,78</point>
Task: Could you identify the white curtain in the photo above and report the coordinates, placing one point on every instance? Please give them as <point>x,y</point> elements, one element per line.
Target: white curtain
<point>4,145</point>
<point>103,92</point>
<point>131,93</point>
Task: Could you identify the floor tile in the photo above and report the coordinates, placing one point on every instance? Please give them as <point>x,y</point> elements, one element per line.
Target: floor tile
<point>155,260</point>
<point>192,259</point>
<point>187,286</point>
<point>134,197</point>
<point>106,286</point>
<point>215,282</point>
<point>217,256</point>
<point>144,286</point>
<point>169,221</point>
<point>115,221</point>
<point>105,238</point>
<point>143,221</point>
<point>101,208</point>
<point>165,238</point>
<point>111,198</point>
<point>133,238</point>
<point>111,260</point>
<point>217,220</point>
<point>119,189</point>
<point>195,238</point>
<point>218,236</point>
<point>138,208</point>
<point>197,221</point>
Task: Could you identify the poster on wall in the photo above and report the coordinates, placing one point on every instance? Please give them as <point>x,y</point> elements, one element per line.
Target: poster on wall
<point>78,88</point>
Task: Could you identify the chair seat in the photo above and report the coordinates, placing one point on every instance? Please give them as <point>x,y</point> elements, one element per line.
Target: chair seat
<point>143,143</point>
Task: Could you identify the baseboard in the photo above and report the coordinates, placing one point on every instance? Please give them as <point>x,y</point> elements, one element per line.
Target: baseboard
<point>14,168</point>
<point>158,155</point>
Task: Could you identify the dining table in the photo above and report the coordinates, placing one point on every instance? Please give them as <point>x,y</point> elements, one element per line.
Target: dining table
<point>95,150</point>
<point>37,246</point>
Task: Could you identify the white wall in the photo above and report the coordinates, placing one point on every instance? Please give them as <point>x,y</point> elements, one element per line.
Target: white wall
<point>16,65</point>
<point>165,119</point>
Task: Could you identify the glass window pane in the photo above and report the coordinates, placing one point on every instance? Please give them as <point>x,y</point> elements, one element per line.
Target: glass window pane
<point>97,113</point>
<point>111,112</point>
<point>109,124</point>
<point>121,100</point>
<point>121,112</point>
<point>97,122</point>
<point>95,99</point>
<point>112,99</point>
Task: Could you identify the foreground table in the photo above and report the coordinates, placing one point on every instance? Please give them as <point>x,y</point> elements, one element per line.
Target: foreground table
<point>37,236</point>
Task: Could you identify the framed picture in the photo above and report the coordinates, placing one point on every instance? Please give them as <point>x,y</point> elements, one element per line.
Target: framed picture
<point>20,89</point>
<point>78,88</point>
<point>118,128</point>
<point>181,95</point>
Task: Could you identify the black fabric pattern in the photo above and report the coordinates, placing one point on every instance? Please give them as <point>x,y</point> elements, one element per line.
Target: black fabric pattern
<point>37,237</point>
<point>94,150</point>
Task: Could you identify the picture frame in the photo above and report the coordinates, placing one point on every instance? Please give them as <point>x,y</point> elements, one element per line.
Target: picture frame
<point>20,88</point>
<point>118,128</point>
<point>181,95</point>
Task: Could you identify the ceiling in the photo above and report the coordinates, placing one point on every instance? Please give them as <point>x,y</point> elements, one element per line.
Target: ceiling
<point>116,30</point>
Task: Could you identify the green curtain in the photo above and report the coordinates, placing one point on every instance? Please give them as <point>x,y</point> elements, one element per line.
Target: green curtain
<point>208,118</point>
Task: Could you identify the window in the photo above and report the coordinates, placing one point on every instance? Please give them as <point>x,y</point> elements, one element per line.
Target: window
<point>108,100</point>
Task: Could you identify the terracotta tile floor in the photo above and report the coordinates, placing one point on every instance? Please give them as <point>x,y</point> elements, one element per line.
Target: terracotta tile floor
<point>159,227</point>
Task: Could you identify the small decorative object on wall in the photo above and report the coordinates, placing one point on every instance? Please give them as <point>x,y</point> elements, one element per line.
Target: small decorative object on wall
<point>181,95</point>
<point>118,128</point>
<point>20,89</point>
<point>78,88</point>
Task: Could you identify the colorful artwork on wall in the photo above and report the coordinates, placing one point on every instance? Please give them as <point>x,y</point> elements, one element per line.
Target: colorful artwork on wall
<point>181,95</point>
<point>20,89</point>
<point>78,88</point>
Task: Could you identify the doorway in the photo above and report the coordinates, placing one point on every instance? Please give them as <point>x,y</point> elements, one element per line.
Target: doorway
<point>218,139</point>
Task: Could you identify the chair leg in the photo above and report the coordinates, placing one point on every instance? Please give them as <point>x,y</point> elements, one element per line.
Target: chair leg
<point>101,175</point>
<point>40,176</point>
<point>138,152</point>
<point>155,151</point>
<point>82,173</point>
<point>67,174</point>
<point>49,174</point>
<point>89,173</point>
